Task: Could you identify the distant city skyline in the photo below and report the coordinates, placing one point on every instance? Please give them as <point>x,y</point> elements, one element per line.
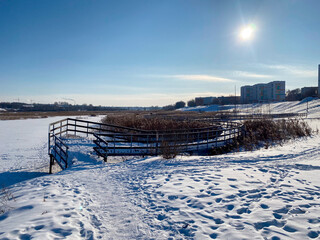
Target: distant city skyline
<point>148,53</point>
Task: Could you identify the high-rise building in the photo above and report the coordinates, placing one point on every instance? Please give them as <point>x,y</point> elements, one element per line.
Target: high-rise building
<point>309,92</point>
<point>319,80</point>
<point>264,92</point>
<point>276,91</point>
<point>246,94</point>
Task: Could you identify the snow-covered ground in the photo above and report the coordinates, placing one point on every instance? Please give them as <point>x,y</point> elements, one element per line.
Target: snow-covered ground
<point>265,194</point>
<point>307,105</point>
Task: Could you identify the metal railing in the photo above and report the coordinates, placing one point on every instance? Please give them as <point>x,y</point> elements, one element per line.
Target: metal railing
<point>101,147</point>
<point>113,140</point>
<point>58,151</point>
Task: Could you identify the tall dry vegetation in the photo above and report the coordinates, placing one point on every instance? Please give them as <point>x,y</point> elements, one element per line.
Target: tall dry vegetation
<point>5,197</point>
<point>153,123</point>
<point>264,133</point>
<point>267,132</point>
<point>169,150</point>
<point>256,133</point>
<point>169,144</point>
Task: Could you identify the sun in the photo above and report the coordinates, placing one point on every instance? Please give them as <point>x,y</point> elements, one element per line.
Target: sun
<point>247,32</point>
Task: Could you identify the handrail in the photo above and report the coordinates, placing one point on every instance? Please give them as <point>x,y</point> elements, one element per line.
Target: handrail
<point>232,124</point>
<point>126,128</point>
<point>102,151</point>
<point>145,142</point>
<point>146,133</point>
<point>58,151</point>
<point>119,140</point>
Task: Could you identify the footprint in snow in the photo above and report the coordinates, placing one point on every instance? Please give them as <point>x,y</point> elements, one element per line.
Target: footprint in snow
<point>232,179</point>
<point>313,234</point>
<point>39,227</point>
<point>290,229</point>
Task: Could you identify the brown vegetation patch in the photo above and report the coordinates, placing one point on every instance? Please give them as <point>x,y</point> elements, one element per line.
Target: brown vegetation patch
<point>269,131</point>
<point>264,133</point>
<point>155,122</point>
<point>34,115</point>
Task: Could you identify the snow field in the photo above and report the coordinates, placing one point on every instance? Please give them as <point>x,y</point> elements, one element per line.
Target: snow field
<point>254,195</point>
<point>307,105</point>
<point>264,194</point>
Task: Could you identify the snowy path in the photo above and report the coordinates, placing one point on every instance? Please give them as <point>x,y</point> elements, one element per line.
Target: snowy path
<point>254,195</point>
<point>265,194</point>
<point>24,148</point>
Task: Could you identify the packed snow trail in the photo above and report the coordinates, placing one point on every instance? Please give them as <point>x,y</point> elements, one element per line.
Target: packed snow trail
<point>24,148</point>
<point>264,194</point>
<point>248,195</point>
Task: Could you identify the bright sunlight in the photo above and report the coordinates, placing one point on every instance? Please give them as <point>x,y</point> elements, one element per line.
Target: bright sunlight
<point>246,33</point>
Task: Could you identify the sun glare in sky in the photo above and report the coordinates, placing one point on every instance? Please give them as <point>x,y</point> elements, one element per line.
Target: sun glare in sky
<point>247,32</point>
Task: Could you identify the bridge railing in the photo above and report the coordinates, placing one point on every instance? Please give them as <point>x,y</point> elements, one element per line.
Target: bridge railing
<point>58,151</point>
<point>151,144</point>
<point>101,147</point>
<point>111,140</point>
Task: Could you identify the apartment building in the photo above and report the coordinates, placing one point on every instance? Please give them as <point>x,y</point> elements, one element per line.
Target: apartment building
<point>264,92</point>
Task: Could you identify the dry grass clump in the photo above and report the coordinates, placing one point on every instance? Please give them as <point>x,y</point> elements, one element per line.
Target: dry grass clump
<point>264,133</point>
<point>36,115</point>
<point>268,131</point>
<point>5,197</point>
<point>153,123</point>
<point>169,151</point>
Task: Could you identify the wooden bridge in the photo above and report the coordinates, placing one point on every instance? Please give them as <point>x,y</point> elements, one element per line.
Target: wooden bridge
<point>113,140</point>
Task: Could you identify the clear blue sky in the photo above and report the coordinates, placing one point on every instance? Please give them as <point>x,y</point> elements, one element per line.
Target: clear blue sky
<point>143,53</point>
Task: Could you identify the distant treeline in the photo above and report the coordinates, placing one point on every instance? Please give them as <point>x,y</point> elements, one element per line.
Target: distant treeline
<point>62,106</point>
<point>202,101</point>
<point>291,95</point>
<point>300,93</point>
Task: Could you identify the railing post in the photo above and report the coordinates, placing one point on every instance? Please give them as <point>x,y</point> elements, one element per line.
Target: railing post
<point>49,142</point>
<point>55,144</point>
<point>157,143</point>
<point>216,138</point>
<point>75,127</point>
<point>60,149</point>
<point>88,129</point>
<point>66,157</point>
<point>187,143</point>
<point>131,143</point>
<point>51,163</point>
<point>198,143</point>
<point>67,126</point>
<point>207,141</point>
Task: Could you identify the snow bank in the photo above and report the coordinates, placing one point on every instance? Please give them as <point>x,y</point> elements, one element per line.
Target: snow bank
<point>307,105</point>
<point>265,194</point>
<point>24,148</point>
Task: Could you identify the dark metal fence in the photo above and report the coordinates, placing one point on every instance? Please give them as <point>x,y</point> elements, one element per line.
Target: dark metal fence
<point>228,116</point>
<point>101,147</point>
<point>112,140</point>
<point>58,151</point>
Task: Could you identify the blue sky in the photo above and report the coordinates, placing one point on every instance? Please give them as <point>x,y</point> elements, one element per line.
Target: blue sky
<point>143,53</point>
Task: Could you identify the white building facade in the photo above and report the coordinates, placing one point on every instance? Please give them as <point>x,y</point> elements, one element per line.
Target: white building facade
<point>319,80</point>
<point>264,92</point>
